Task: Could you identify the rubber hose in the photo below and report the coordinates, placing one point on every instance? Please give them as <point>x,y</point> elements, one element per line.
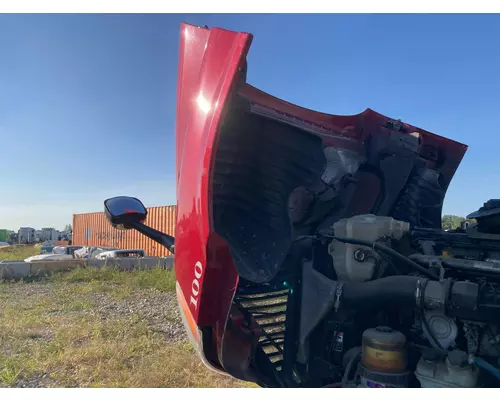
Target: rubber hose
<point>399,291</point>
<point>488,367</point>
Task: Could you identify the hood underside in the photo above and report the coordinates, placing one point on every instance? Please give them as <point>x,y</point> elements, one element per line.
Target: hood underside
<point>281,172</point>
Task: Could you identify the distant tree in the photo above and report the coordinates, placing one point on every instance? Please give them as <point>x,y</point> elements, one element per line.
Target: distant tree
<point>68,228</point>
<point>453,221</point>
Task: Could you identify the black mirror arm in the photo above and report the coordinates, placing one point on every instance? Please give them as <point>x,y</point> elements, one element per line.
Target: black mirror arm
<point>159,237</point>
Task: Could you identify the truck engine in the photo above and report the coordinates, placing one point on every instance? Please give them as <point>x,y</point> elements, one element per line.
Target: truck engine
<point>387,305</point>
<point>423,302</point>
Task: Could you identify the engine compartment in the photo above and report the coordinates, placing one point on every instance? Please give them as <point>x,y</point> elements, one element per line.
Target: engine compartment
<point>346,277</point>
<point>395,324</point>
<point>412,320</point>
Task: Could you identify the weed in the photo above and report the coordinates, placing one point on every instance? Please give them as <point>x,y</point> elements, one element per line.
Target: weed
<point>10,371</point>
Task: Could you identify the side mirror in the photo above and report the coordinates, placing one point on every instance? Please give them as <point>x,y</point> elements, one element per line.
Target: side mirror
<point>124,212</point>
<point>129,213</point>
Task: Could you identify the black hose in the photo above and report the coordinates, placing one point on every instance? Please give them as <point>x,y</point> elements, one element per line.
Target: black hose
<point>382,248</point>
<point>399,291</point>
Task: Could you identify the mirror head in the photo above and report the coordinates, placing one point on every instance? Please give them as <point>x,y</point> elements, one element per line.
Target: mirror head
<point>122,211</point>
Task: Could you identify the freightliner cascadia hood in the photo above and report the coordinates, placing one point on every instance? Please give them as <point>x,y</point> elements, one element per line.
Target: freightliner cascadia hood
<point>254,172</point>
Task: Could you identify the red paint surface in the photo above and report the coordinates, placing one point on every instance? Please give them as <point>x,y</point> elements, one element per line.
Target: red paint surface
<point>209,63</point>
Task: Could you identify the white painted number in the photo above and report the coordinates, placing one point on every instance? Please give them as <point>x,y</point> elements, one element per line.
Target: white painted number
<point>198,270</point>
<point>195,285</point>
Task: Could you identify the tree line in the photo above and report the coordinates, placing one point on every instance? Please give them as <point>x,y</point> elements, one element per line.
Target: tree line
<point>453,221</point>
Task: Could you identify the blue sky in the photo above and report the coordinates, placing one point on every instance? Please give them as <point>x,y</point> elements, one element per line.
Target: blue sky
<point>87,102</point>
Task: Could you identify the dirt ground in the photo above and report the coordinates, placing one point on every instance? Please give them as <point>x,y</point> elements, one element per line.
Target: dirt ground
<point>98,329</point>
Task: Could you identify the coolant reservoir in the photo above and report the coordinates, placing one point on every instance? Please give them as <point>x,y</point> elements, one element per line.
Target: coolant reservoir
<point>454,372</point>
<point>357,263</point>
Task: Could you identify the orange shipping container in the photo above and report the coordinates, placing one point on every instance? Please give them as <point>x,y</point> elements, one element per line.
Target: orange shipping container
<point>62,243</point>
<point>94,230</point>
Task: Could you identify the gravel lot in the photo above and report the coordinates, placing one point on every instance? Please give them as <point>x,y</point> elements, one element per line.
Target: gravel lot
<point>158,309</point>
<point>92,332</point>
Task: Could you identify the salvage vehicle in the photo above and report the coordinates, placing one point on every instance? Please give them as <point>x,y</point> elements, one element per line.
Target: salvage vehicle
<point>88,252</point>
<point>54,253</point>
<point>128,253</point>
<point>308,247</point>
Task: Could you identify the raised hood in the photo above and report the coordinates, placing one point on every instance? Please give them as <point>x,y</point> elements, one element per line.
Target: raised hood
<point>255,172</point>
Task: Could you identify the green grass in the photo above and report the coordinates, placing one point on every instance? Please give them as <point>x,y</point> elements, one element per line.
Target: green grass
<point>119,283</point>
<point>19,252</point>
<point>9,372</point>
<point>51,330</point>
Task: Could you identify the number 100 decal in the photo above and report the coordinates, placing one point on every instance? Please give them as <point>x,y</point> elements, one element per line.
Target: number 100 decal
<point>195,284</point>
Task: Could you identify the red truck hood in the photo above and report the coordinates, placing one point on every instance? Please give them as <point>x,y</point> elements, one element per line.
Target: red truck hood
<point>254,172</point>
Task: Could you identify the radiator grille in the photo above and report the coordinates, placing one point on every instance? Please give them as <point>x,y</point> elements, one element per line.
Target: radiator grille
<point>268,308</point>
